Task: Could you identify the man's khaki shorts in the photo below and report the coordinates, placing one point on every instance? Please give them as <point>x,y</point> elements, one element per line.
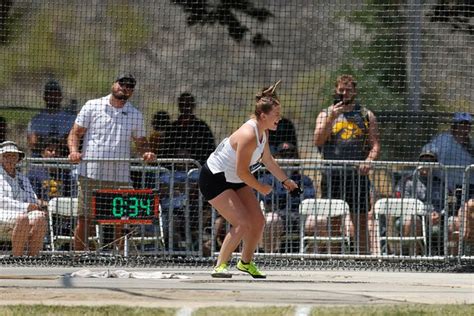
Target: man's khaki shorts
<point>87,186</point>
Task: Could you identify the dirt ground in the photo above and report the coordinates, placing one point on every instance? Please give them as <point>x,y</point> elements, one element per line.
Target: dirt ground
<point>298,288</point>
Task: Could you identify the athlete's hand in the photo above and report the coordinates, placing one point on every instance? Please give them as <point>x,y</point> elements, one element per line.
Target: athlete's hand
<point>264,189</point>
<point>290,185</point>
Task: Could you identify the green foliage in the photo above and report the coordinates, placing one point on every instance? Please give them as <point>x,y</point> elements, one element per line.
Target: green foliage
<point>83,310</point>
<point>17,116</point>
<point>384,57</point>
<point>43,49</point>
<point>395,310</point>
<point>130,26</point>
<point>376,310</point>
<point>239,311</point>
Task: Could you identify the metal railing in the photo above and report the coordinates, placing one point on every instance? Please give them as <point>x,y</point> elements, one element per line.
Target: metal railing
<point>189,224</point>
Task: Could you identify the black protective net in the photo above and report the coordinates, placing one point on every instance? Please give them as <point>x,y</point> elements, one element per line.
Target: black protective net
<point>117,105</point>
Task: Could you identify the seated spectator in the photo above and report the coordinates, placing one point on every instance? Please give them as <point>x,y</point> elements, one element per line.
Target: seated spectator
<point>21,215</point>
<point>188,136</point>
<point>3,129</point>
<point>282,209</point>
<point>50,122</point>
<point>427,185</point>
<point>285,133</point>
<point>51,181</point>
<point>455,149</point>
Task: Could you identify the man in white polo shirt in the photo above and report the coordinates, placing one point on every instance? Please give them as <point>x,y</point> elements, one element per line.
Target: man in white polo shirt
<point>108,125</point>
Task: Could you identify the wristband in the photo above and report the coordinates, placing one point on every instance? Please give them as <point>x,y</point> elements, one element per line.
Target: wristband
<point>283,182</point>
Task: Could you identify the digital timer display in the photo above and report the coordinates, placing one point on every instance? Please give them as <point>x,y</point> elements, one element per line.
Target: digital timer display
<point>125,206</point>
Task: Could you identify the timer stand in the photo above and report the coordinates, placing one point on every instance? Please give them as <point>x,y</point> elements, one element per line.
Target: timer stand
<point>122,207</point>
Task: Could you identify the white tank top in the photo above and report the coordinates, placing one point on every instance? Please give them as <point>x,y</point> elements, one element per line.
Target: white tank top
<point>223,159</point>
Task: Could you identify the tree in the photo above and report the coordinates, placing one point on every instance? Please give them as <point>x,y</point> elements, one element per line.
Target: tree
<point>200,12</point>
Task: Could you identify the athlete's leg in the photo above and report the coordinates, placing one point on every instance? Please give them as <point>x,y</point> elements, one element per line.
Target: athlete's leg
<point>230,206</point>
<point>254,220</point>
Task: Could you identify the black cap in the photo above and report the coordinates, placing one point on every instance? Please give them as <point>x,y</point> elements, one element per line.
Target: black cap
<point>428,153</point>
<point>52,86</point>
<point>126,77</point>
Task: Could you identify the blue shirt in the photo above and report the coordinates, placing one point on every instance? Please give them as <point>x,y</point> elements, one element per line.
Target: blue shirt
<point>278,197</point>
<point>51,123</point>
<point>451,153</point>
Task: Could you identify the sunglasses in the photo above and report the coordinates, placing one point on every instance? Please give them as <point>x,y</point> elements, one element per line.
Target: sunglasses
<point>127,84</point>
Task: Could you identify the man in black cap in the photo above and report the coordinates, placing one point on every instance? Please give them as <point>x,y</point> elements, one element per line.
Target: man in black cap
<point>107,126</point>
<point>51,121</point>
<point>188,136</point>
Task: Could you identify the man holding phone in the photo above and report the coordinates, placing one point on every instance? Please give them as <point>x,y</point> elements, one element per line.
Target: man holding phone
<point>348,131</point>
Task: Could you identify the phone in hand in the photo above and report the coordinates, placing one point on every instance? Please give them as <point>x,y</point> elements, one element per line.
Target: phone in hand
<point>338,98</point>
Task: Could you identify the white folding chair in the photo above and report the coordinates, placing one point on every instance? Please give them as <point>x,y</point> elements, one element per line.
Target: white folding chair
<point>400,207</point>
<point>64,209</point>
<point>325,208</point>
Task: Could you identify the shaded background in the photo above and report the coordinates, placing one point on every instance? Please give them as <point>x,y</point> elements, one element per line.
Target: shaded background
<point>412,59</point>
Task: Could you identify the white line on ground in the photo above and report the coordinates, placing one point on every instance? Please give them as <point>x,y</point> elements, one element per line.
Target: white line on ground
<point>302,310</point>
<point>185,311</point>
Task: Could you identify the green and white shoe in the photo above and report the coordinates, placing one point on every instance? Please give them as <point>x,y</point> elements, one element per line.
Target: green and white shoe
<point>221,271</point>
<point>251,269</point>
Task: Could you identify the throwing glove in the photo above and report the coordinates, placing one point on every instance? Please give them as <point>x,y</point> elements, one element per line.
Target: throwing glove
<point>296,192</point>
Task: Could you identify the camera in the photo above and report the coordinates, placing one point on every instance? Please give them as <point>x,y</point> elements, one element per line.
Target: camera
<point>340,98</point>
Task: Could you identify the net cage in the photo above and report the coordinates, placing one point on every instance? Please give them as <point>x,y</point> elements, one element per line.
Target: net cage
<point>372,120</point>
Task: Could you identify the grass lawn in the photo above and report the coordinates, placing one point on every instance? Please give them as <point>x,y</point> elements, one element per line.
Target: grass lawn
<point>399,309</point>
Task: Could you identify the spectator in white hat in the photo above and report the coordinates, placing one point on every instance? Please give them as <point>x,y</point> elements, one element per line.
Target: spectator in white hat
<point>21,217</point>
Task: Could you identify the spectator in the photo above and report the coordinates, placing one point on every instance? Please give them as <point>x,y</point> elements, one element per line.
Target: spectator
<point>50,122</point>
<point>49,182</point>
<point>427,185</point>
<point>285,133</point>
<point>348,131</point>
<point>161,122</point>
<point>21,215</point>
<point>3,129</point>
<point>188,136</point>
<point>456,148</point>
<point>108,125</point>
<point>282,209</point>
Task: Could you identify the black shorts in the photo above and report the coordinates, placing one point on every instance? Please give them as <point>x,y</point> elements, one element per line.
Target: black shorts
<point>350,187</point>
<point>211,185</point>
